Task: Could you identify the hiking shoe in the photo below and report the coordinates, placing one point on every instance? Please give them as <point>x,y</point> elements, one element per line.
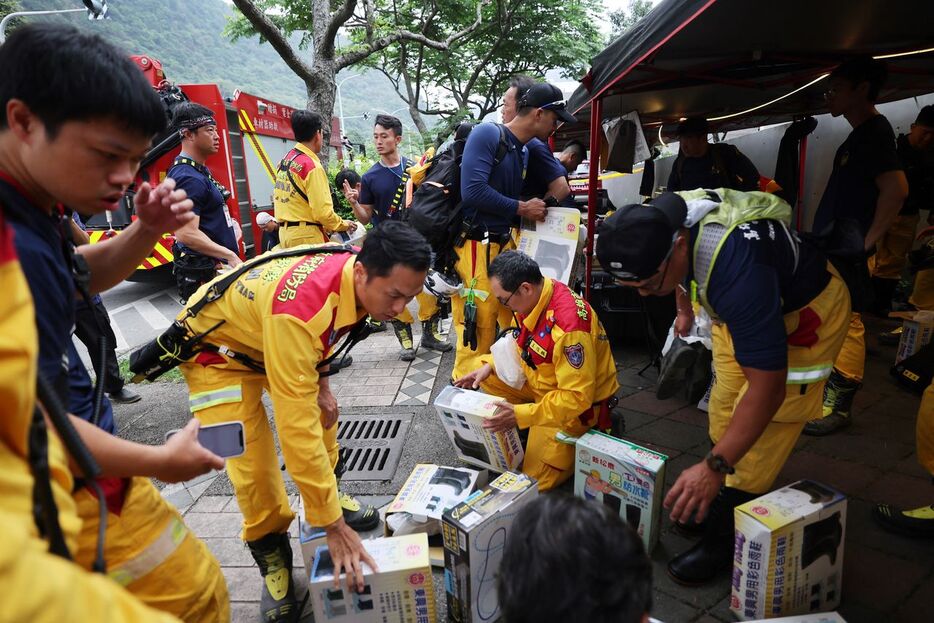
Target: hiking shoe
<point>359,517</point>
<point>273,555</point>
<point>341,363</point>
<point>914,523</point>
<point>432,338</point>
<point>403,332</point>
<point>675,364</point>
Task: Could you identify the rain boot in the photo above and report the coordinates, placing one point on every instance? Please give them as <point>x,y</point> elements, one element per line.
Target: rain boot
<point>404,334</point>
<point>712,555</point>
<point>432,338</point>
<point>838,402</point>
<point>273,555</point>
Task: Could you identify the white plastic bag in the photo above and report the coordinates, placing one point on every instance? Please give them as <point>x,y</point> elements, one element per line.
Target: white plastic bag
<point>506,361</point>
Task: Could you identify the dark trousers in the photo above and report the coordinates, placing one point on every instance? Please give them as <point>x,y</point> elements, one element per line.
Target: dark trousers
<point>90,321</point>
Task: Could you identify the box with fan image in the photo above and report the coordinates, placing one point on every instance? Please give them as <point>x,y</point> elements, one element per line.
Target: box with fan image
<point>788,556</point>
<point>626,477</point>
<point>401,590</point>
<point>462,412</point>
<point>475,533</point>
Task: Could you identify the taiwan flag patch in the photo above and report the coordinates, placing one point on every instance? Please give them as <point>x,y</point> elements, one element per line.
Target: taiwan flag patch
<point>575,355</point>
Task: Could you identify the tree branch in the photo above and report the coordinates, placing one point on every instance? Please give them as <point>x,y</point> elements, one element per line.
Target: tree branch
<point>338,19</point>
<point>269,31</point>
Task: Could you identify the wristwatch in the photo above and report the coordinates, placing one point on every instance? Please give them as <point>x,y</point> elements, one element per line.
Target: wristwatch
<point>719,464</point>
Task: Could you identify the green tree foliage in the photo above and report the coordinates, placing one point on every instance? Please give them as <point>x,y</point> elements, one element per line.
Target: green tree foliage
<point>623,19</point>
<point>516,36</point>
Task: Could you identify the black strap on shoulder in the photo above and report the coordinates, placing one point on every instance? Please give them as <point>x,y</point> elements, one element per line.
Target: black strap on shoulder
<point>285,166</point>
<point>203,170</point>
<point>503,147</point>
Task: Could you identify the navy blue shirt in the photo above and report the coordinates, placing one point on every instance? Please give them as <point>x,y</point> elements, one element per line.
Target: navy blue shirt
<point>40,245</point>
<point>490,194</point>
<point>543,169</point>
<point>378,188</point>
<point>754,283</point>
<point>851,192</point>
<point>209,205</point>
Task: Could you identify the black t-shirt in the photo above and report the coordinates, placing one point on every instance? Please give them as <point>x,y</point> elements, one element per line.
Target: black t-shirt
<point>762,273</point>
<point>919,169</point>
<point>723,166</point>
<point>851,192</point>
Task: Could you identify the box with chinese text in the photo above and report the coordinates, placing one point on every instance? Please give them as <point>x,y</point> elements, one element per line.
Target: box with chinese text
<point>462,412</point>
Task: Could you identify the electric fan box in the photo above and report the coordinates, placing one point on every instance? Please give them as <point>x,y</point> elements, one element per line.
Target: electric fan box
<point>401,590</point>
<point>788,555</point>
<point>462,412</point>
<point>817,617</point>
<point>475,533</point>
<point>624,476</point>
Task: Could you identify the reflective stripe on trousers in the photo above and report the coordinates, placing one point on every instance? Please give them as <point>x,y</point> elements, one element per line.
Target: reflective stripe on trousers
<point>151,557</point>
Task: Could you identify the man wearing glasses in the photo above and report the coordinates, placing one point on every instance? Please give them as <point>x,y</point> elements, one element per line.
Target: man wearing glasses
<point>491,184</point>
<point>780,316</point>
<point>565,356</point>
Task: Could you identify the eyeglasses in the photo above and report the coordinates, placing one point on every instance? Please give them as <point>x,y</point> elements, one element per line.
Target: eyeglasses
<point>557,104</point>
<point>505,303</point>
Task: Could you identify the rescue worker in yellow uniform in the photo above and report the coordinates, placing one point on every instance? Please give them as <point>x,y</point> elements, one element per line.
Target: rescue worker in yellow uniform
<point>302,196</point>
<point>780,317</point>
<point>570,376</point>
<point>492,173</point>
<point>81,144</point>
<point>917,522</point>
<point>864,194</point>
<point>273,329</point>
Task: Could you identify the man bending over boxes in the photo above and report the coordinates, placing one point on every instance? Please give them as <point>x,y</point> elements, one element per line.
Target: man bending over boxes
<point>569,373</point>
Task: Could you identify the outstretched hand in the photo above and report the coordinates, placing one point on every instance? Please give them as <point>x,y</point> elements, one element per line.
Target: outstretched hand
<point>163,209</point>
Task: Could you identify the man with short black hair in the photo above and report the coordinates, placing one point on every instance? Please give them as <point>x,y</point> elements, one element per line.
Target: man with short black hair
<point>571,157</point>
<point>570,375</point>
<point>781,316</point>
<point>568,559</point>
<point>302,197</point>
<point>280,323</point>
<point>865,192</point>
<point>381,198</point>
<point>494,162</point>
<point>211,238</point>
<point>703,165</point>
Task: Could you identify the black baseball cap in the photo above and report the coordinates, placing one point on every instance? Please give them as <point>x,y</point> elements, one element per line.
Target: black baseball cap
<point>548,97</point>
<point>634,241</point>
<point>693,125</point>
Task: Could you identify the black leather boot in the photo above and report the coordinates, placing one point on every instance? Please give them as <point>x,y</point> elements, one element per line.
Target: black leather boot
<point>713,554</point>
<point>273,554</point>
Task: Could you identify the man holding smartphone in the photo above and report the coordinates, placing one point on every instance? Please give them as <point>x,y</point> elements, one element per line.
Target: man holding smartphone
<point>275,328</point>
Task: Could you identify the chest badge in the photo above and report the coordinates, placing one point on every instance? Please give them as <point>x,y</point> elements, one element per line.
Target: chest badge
<point>575,355</point>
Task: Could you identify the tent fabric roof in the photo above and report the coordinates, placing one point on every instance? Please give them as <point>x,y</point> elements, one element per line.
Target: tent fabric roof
<point>716,58</point>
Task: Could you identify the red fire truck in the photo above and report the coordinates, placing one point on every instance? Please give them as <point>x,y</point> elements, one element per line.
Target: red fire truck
<point>255,134</point>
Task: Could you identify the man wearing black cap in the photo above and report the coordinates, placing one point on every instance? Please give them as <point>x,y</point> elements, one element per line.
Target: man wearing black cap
<point>780,318</point>
<point>211,237</point>
<point>491,184</point>
<point>702,165</point>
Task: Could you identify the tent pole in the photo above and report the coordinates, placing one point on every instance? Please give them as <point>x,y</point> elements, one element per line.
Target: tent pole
<point>802,160</point>
<point>596,114</point>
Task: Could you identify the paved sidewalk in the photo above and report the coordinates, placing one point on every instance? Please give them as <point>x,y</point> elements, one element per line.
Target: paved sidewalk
<point>886,577</point>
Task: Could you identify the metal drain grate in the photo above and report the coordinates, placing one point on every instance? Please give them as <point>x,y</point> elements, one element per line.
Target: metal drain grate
<point>372,445</point>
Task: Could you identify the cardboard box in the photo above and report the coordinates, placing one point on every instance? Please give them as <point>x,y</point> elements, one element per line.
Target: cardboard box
<point>817,617</point>
<point>626,477</point>
<point>475,534</point>
<point>432,489</point>
<point>788,558</point>
<point>462,411</point>
<point>401,591</point>
<point>917,329</point>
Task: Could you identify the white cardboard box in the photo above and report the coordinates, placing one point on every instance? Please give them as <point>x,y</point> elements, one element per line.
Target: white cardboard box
<point>462,412</point>
<point>431,489</point>
<point>626,477</point>
<point>788,556</point>
<point>817,617</point>
<point>401,590</point>
<point>475,534</point>
<point>917,329</point>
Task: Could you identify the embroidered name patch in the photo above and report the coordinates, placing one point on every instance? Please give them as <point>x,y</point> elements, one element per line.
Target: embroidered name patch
<point>575,355</point>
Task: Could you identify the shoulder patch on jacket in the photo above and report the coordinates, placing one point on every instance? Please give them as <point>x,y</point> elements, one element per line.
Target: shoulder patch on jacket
<point>302,165</point>
<point>575,355</point>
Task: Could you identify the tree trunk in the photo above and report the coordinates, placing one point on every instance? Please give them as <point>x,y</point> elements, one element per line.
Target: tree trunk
<point>321,94</point>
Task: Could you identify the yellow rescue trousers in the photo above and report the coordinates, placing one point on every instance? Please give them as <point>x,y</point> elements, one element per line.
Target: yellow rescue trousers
<point>295,235</point>
<point>542,442</point>
<point>925,430</point>
<point>922,296</point>
<point>891,254</point>
<point>851,362</point>
<point>808,370</point>
<point>471,266</point>
<point>150,552</point>
<point>255,476</point>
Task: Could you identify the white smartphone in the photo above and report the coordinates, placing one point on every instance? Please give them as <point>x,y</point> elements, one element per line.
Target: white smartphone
<point>224,439</point>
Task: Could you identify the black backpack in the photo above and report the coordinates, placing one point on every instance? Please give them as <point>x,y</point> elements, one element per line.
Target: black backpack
<point>435,211</point>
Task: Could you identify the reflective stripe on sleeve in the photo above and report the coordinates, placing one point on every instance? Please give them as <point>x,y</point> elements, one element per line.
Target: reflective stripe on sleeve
<point>151,557</point>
